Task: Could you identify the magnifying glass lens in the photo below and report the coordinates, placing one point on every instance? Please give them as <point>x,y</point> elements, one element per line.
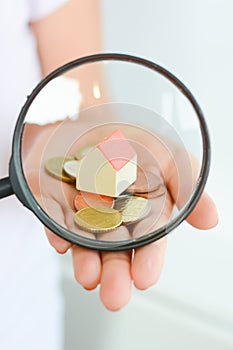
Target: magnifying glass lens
<point>111,152</point>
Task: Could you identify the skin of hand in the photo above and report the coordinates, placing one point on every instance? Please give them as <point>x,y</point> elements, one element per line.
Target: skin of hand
<point>115,272</point>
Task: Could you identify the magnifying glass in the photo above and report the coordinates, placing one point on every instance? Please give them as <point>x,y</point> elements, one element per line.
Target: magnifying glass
<point>106,151</point>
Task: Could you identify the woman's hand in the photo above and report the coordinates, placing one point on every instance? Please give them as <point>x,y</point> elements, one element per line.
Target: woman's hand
<point>116,272</point>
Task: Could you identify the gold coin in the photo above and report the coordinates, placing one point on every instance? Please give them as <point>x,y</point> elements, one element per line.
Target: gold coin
<point>132,208</point>
<point>98,219</point>
<point>54,167</point>
<point>82,151</point>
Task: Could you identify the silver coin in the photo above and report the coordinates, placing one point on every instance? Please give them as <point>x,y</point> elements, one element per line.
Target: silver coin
<point>132,208</point>
<point>71,168</point>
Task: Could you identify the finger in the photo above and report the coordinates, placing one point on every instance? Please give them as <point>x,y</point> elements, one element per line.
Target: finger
<point>65,218</point>
<point>148,263</point>
<point>54,210</point>
<point>58,243</point>
<point>181,176</point>
<point>87,267</point>
<point>204,216</point>
<point>119,234</point>
<point>116,284</point>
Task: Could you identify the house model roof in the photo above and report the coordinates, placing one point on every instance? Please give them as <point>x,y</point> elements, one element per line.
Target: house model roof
<point>117,150</point>
<point>109,167</point>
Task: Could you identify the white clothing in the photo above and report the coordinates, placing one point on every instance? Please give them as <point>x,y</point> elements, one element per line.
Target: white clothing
<point>30,298</point>
<point>58,99</point>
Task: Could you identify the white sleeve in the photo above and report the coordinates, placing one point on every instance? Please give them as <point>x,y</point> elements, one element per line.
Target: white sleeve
<point>59,99</point>
<point>42,8</point>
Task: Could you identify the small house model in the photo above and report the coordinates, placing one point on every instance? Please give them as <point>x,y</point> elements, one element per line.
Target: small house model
<point>108,168</point>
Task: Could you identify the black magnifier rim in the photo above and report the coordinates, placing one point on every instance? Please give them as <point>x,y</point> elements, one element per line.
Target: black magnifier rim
<point>104,245</point>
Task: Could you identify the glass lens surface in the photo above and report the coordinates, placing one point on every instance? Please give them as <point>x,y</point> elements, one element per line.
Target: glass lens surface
<point>111,151</point>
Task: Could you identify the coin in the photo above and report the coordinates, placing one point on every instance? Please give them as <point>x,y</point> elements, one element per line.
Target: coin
<point>54,167</point>
<point>132,208</point>
<point>146,182</point>
<point>71,167</point>
<point>160,191</point>
<point>88,199</point>
<point>82,151</point>
<point>123,194</point>
<point>98,219</point>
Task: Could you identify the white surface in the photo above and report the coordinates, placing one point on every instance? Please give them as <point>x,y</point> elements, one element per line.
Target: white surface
<point>152,320</point>
<point>192,305</point>
<point>193,40</point>
<point>30,298</point>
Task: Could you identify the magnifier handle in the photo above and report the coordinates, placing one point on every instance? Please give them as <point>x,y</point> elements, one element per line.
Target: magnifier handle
<point>5,187</point>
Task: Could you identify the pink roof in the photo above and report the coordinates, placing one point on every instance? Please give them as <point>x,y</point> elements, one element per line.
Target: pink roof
<point>117,150</point>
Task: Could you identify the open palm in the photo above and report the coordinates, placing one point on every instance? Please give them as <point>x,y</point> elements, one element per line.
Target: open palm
<point>117,271</point>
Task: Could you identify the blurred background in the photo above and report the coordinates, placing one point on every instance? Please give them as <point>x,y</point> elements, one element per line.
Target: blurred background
<point>192,305</point>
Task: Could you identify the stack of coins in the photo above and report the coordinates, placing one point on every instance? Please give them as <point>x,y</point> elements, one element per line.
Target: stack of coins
<point>97,213</point>
<point>147,185</point>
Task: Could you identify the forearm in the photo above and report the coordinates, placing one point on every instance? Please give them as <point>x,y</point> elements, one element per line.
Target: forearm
<point>69,33</point>
<point>72,31</point>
